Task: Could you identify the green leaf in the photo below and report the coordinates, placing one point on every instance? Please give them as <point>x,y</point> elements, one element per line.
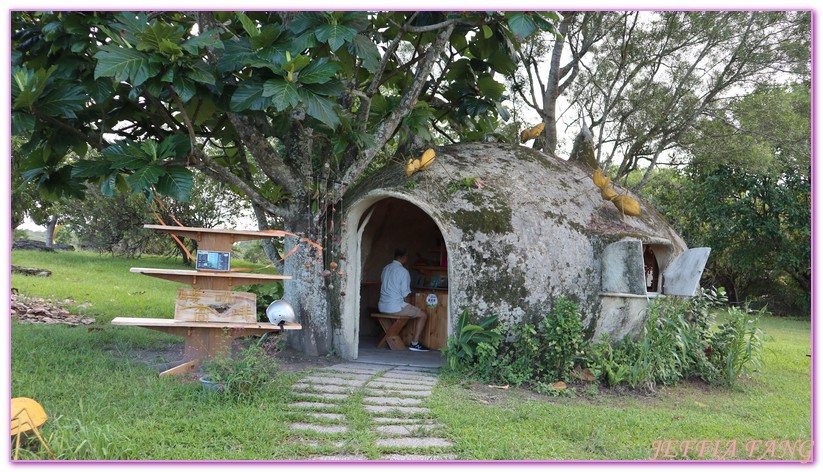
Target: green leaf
<point>99,90</point>
<point>334,35</point>
<point>131,22</point>
<point>320,108</point>
<point>318,71</point>
<point>31,174</point>
<point>249,26</point>
<point>207,39</point>
<point>142,179</point>
<point>125,155</point>
<point>184,88</point>
<point>63,101</point>
<point>268,34</point>
<point>176,183</point>
<point>283,94</point>
<point>27,85</point>
<point>21,123</point>
<point>237,55</point>
<point>362,47</point>
<point>175,146</point>
<point>487,32</point>
<point>334,88</point>
<point>109,184</point>
<point>490,88</point>
<point>161,37</point>
<point>248,96</point>
<point>306,21</point>
<point>84,169</point>
<point>520,25</point>
<point>125,65</point>
<point>201,72</point>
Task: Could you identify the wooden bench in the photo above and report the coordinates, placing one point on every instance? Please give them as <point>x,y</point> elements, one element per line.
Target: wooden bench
<point>392,326</point>
<point>203,339</point>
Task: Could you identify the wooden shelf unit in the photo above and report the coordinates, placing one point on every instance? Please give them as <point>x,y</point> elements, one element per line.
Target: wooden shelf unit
<point>205,339</point>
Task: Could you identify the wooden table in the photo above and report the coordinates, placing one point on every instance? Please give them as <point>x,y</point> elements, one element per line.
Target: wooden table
<point>203,339</point>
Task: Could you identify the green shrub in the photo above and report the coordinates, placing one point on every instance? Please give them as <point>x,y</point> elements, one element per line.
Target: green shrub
<point>543,353</point>
<point>561,336</point>
<point>736,346</point>
<point>677,342</point>
<point>242,375</point>
<point>461,349</point>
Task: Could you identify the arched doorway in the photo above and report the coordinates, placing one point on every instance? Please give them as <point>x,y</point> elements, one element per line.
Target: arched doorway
<point>387,224</point>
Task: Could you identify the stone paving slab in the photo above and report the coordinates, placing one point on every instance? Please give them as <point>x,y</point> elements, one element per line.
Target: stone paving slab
<point>395,409</point>
<point>322,396</point>
<point>328,416</point>
<point>318,428</point>
<point>343,375</point>
<point>403,381</point>
<point>334,381</point>
<point>393,401</point>
<point>318,444</point>
<point>355,366</point>
<point>396,385</point>
<point>387,420</point>
<point>324,387</point>
<point>340,457</point>
<point>404,430</point>
<point>418,457</point>
<point>398,393</point>
<point>422,370</point>
<point>301,405</point>
<point>413,442</point>
<point>410,376</point>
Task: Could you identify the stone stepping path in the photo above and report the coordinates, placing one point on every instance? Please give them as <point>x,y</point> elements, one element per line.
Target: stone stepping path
<point>395,398</point>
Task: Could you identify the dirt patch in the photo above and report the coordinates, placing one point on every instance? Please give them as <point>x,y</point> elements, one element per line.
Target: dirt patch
<point>43,311</point>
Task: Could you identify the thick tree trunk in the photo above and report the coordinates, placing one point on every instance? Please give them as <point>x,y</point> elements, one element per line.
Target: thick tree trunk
<point>308,293</point>
<point>50,227</point>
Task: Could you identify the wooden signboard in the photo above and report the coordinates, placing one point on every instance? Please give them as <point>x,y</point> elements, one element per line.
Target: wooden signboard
<point>215,305</point>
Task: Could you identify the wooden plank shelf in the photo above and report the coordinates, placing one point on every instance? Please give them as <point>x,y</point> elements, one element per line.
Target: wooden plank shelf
<point>173,323</point>
<point>202,339</point>
<point>208,279</point>
<point>214,239</point>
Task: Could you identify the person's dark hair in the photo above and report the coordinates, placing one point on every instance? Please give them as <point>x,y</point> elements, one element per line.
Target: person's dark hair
<point>399,253</point>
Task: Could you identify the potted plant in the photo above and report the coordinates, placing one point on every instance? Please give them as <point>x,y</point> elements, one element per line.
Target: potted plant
<point>241,374</point>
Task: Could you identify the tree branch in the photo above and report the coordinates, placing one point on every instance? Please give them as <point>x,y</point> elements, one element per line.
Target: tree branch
<point>386,129</point>
<point>266,156</point>
<point>208,166</point>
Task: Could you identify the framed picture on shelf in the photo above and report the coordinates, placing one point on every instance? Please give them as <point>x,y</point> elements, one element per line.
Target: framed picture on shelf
<point>213,260</point>
<point>439,281</point>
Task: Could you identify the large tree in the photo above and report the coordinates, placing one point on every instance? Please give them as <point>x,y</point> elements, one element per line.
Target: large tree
<point>641,80</point>
<point>288,109</point>
<point>746,192</point>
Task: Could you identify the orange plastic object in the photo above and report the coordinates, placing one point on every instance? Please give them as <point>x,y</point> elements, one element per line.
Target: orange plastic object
<point>26,414</point>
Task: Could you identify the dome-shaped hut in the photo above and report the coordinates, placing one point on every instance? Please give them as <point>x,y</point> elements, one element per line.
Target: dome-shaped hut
<point>505,230</point>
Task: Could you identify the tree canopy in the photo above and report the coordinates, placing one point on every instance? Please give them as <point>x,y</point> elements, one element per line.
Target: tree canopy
<point>640,81</point>
<point>287,109</point>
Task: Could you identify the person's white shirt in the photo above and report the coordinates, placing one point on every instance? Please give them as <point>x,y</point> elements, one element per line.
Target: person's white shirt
<point>395,285</point>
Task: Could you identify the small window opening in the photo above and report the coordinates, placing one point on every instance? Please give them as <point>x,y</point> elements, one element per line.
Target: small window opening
<point>651,269</point>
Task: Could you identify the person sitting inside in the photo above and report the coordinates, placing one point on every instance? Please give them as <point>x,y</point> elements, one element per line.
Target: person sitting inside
<point>395,287</point>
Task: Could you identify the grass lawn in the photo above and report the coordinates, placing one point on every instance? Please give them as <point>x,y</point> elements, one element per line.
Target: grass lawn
<point>104,403</point>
